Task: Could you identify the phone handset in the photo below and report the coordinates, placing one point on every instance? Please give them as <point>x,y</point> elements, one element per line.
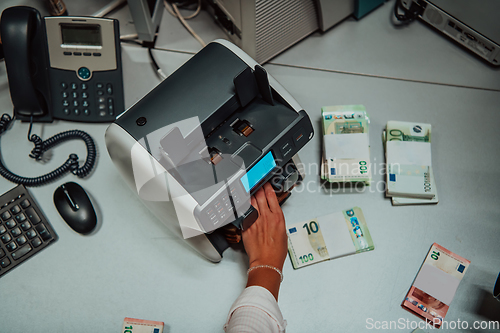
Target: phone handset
<point>21,31</point>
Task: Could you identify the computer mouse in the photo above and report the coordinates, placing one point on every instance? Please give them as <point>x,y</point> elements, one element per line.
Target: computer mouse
<point>75,207</point>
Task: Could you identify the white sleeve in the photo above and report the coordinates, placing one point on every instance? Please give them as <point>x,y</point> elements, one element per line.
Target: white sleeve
<point>255,311</point>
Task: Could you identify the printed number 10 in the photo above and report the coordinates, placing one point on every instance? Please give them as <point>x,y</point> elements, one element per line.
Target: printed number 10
<point>311,227</point>
<point>435,255</point>
<point>128,329</point>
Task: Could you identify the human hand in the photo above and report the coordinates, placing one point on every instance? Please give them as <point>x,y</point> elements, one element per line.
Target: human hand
<point>266,240</point>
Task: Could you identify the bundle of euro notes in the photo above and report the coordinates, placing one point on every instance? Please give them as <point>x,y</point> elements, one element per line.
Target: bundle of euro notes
<point>132,325</point>
<point>346,147</point>
<point>409,174</point>
<point>434,287</point>
<point>328,237</point>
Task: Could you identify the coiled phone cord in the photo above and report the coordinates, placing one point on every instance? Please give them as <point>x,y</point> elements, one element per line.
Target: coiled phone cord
<point>41,146</point>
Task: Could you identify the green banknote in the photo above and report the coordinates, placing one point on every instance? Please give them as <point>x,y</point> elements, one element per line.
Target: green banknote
<point>346,153</point>
<point>327,237</point>
<point>409,171</point>
<point>402,201</point>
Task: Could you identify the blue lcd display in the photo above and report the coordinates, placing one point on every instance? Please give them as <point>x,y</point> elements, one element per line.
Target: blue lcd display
<point>258,171</point>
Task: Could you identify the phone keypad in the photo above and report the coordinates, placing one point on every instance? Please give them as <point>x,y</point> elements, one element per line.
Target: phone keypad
<point>76,100</point>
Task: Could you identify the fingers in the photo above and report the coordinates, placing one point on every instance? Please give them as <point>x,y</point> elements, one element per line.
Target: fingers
<point>272,200</point>
<point>261,199</point>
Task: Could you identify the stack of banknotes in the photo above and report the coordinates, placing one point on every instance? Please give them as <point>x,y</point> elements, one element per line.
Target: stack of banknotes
<point>328,237</point>
<point>409,174</point>
<point>133,325</point>
<point>346,147</point>
<point>434,287</point>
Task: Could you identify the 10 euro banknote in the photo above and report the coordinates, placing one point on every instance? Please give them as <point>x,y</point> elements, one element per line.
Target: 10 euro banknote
<point>436,283</point>
<point>328,237</point>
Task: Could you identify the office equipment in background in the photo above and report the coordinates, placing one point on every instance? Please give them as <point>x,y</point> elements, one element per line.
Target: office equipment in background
<point>207,138</point>
<point>57,8</point>
<point>24,230</point>
<point>331,12</point>
<point>263,29</point>
<point>363,7</point>
<point>75,208</point>
<point>147,16</point>
<point>472,24</point>
<point>62,67</point>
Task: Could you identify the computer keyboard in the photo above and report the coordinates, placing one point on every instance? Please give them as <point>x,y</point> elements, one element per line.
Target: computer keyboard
<point>24,230</point>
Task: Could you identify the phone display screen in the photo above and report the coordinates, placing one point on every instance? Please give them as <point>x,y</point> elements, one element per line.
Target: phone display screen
<point>81,34</point>
<point>258,171</point>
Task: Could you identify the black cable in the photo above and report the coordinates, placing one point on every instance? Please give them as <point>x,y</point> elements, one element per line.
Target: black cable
<point>155,65</point>
<point>408,15</point>
<point>71,164</point>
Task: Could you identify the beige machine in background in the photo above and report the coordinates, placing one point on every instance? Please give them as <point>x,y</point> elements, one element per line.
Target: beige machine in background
<point>265,28</point>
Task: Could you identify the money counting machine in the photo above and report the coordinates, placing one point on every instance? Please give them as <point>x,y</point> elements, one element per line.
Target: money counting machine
<point>207,138</point>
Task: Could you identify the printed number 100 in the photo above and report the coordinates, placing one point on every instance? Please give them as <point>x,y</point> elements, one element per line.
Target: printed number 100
<point>306,258</point>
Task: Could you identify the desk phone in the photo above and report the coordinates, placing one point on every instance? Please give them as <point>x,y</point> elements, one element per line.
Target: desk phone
<point>62,67</point>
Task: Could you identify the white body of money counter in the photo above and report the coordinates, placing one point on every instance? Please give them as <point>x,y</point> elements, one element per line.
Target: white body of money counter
<point>219,111</point>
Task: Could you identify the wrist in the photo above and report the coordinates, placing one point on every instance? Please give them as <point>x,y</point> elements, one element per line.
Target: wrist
<point>273,263</point>
<point>268,268</point>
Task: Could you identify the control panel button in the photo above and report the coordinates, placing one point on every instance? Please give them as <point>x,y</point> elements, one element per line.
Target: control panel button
<point>75,103</point>
<point>66,53</point>
<point>85,95</point>
<point>64,85</point>
<point>84,86</point>
<point>87,54</point>
<point>85,104</point>
<point>86,112</point>
<point>76,112</point>
<point>73,86</point>
<point>286,148</point>
<point>74,94</point>
<point>66,111</point>
<point>96,54</point>
<point>84,73</point>
<point>109,89</point>
<point>64,94</point>
<point>65,102</point>
<point>77,53</point>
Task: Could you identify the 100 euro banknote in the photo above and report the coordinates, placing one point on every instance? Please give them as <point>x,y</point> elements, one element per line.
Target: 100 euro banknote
<point>346,152</point>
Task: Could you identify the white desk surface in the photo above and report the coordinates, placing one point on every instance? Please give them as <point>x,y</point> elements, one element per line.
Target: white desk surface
<point>134,267</point>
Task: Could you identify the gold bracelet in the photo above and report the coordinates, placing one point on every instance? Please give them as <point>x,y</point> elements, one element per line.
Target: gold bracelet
<point>266,266</point>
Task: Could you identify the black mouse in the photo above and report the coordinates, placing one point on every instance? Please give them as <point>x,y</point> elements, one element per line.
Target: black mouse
<point>75,207</point>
